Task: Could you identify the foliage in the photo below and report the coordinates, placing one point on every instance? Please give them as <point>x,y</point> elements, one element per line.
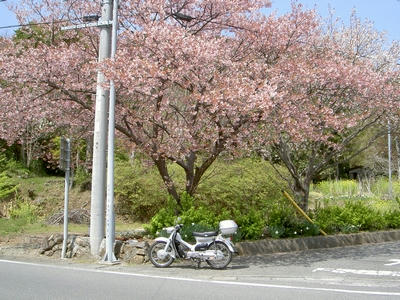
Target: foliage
<point>326,121</point>
<point>82,179</point>
<point>241,184</point>
<point>251,224</point>
<point>139,192</point>
<point>11,166</point>
<point>337,188</point>
<point>392,219</point>
<point>195,217</point>
<point>8,187</point>
<point>352,217</point>
<point>380,187</point>
<point>283,222</point>
<point>24,211</point>
<point>335,192</point>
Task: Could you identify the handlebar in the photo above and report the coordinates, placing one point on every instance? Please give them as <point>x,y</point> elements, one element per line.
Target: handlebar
<point>178,226</point>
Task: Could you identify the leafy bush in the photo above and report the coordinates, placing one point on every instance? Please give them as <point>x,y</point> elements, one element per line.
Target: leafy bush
<point>190,215</point>
<point>352,217</point>
<point>242,184</point>
<point>392,219</point>
<point>25,212</point>
<point>251,224</point>
<point>139,191</point>
<point>284,222</point>
<point>82,179</point>
<point>7,187</point>
<point>228,187</point>
<point>11,167</point>
<point>197,217</point>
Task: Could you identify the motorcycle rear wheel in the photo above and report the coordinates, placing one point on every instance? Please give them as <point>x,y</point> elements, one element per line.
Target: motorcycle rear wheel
<point>160,262</point>
<point>220,263</point>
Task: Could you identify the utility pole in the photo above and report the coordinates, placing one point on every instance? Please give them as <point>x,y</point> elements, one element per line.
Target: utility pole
<point>97,212</point>
<point>110,228</point>
<point>390,190</point>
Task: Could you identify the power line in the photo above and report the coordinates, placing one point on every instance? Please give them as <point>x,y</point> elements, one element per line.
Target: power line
<point>39,23</point>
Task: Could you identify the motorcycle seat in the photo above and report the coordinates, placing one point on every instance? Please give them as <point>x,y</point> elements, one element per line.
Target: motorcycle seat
<point>205,234</point>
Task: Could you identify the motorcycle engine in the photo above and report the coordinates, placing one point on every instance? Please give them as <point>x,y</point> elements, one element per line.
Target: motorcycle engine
<point>205,255</point>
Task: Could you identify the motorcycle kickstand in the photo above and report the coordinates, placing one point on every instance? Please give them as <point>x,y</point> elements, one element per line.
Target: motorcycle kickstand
<point>198,264</point>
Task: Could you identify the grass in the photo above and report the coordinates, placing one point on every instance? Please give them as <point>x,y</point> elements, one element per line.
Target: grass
<point>337,192</point>
<point>46,194</point>
<point>15,227</point>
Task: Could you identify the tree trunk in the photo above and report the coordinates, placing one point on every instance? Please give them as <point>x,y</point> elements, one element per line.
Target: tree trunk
<point>301,192</point>
<point>161,165</point>
<point>196,173</point>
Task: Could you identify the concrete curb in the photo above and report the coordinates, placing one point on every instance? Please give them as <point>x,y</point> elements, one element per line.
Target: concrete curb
<point>315,242</point>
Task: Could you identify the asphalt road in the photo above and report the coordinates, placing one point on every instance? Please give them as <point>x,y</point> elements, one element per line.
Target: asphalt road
<point>359,272</point>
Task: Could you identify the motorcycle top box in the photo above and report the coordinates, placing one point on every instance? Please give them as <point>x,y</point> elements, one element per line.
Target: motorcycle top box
<point>228,227</point>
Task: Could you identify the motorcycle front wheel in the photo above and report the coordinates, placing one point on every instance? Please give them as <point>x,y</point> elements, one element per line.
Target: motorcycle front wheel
<point>159,258</point>
<point>220,263</point>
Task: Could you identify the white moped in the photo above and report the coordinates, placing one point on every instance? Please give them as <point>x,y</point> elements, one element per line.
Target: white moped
<point>211,247</point>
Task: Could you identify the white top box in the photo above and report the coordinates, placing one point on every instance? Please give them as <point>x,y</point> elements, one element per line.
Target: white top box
<point>228,227</point>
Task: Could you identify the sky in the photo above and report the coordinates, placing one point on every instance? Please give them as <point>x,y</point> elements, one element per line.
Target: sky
<point>384,13</point>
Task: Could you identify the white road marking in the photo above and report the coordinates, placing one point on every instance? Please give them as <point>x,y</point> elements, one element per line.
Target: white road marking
<point>395,262</point>
<point>359,272</point>
<point>233,283</point>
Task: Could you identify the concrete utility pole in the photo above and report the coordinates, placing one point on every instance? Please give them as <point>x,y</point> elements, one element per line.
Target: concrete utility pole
<point>97,212</point>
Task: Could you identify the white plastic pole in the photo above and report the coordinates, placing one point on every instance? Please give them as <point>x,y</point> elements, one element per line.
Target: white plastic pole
<point>66,195</point>
<point>110,217</point>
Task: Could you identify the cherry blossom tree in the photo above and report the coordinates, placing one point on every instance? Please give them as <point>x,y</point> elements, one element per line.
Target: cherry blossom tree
<point>197,78</point>
<point>333,86</point>
<point>186,89</point>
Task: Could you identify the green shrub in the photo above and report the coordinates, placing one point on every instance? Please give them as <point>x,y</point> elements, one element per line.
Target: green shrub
<point>392,219</point>
<point>11,167</point>
<point>139,191</point>
<point>228,187</point>
<point>242,184</point>
<point>25,212</point>
<point>197,217</point>
<point>283,221</point>
<point>189,216</point>
<point>352,217</point>
<point>380,187</point>
<point>8,187</point>
<point>8,226</point>
<point>82,179</point>
<point>251,224</point>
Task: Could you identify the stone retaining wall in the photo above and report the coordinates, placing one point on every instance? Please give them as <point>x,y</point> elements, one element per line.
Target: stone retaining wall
<point>315,242</point>
<point>130,246</point>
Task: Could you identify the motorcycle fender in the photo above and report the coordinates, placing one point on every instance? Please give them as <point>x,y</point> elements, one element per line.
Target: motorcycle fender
<point>162,239</point>
<point>231,247</point>
<point>166,240</point>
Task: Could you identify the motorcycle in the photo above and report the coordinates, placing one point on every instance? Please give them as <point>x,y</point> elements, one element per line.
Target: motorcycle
<point>211,247</point>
